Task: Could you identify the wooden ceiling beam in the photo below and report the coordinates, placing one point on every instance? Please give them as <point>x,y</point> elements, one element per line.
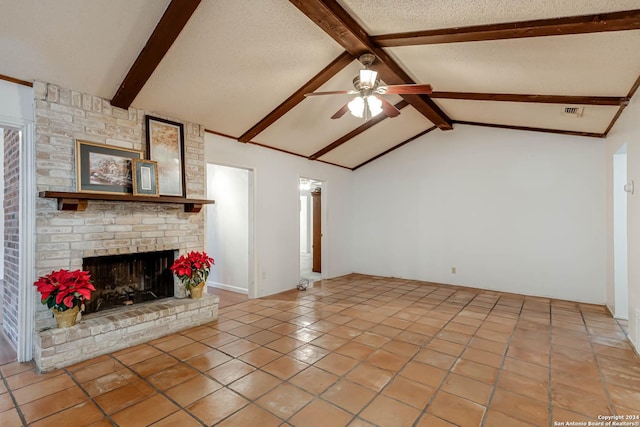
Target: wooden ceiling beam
<point>173,20</point>
<point>632,92</point>
<point>544,99</point>
<point>337,23</point>
<point>615,21</point>
<point>532,129</point>
<point>16,81</point>
<point>312,85</point>
<point>357,131</point>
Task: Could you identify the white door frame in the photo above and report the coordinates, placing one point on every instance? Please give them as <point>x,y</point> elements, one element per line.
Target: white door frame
<point>26,237</point>
<point>252,288</point>
<point>323,226</point>
<point>620,234</point>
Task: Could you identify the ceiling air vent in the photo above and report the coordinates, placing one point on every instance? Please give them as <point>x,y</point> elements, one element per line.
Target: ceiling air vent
<point>573,111</point>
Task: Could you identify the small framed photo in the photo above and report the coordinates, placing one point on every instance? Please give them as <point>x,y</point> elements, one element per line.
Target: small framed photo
<point>145,178</point>
<point>104,169</point>
<point>165,145</point>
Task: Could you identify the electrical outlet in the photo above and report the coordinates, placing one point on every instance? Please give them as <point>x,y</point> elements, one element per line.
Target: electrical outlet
<point>453,270</point>
<point>264,275</point>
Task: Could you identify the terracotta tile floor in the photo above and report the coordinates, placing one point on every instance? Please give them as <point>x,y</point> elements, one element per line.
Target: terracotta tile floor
<point>357,351</point>
<point>7,353</point>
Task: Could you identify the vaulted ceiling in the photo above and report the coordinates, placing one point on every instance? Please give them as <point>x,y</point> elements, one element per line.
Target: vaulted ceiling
<point>241,67</point>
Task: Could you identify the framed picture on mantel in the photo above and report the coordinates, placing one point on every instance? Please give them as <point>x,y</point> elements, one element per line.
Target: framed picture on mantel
<point>104,169</point>
<point>165,145</point>
<point>145,178</point>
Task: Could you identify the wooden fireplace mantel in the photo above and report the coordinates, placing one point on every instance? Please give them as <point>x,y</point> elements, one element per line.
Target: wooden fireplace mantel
<point>70,201</point>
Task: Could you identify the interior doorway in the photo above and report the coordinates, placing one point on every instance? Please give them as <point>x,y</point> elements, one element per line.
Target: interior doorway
<point>18,204</point>
<point>229,228</point>
<point>2,297</point>
<point>311,214</point>
<point>620,257</point>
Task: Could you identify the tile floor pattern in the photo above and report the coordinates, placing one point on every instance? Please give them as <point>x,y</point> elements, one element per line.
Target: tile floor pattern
<point>357,351</point>
<point>7,353</point>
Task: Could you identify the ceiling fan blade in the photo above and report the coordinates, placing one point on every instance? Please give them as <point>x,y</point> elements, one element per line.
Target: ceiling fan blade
<point>341,112</point>
<point>413,89</point>
<point>332,92</point>
<point>388,108</point>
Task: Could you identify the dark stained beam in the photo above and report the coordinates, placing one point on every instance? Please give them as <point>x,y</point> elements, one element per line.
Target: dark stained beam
<point>16,81</point>
<point>173,20</point>
<point>405,142</point>
<point>277,149</point>
<point>333,164</point>
<point>357,131</point>
<point>632,91</point>
<point>293,154</point>
<point>272,148</point>
<point>614,120</point>
<point>545,99</point>
<point>615,21</point>
<point>337,23</point>
<point>532,129</point>
<point>220,134</point>
<point>318,80</point>
<point>634,88</point>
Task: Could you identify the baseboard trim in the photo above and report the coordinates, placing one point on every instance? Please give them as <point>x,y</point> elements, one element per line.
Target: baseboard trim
<point>228,287</point>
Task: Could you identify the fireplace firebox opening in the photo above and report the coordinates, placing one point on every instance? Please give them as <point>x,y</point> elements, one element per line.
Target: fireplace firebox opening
<point>122,280</point>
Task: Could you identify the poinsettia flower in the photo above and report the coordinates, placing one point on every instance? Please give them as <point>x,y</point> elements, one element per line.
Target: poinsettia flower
<point>86,293</point>
<point>192,268</point>
<point>64,289</point>
<point>68,301</point>
<point>60,296</point>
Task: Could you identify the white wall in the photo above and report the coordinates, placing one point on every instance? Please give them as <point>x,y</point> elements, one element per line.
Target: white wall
<point>304,223</point>
<point>16,102</point>
<point>277,215</point>
<point>620,307</point>
<point>227,224</point>
<point>512,211</point>
<point>627,130</point>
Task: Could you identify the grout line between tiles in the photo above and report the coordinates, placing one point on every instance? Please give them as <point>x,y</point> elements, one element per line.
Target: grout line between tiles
<point>381,296</point>
<point>504,358</point>
<point>597,362</point>
<point>13,399</point>
<point>91,399</point>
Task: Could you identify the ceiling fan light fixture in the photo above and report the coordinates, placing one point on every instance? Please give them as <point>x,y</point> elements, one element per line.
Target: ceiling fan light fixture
<point>356,107</point>
<point>368,79</point>
<point>375,105</point>
<point>367,107</point>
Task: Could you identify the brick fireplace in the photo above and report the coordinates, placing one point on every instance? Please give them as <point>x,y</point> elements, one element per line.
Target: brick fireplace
<point>65,239</point>
<point>123,280</point>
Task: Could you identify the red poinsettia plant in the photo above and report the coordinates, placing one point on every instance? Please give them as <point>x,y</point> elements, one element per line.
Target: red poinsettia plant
<point>64,289</point>
<point>193,268</point>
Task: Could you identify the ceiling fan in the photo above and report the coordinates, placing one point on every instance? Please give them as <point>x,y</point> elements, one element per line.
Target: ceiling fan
<point>368,103</point>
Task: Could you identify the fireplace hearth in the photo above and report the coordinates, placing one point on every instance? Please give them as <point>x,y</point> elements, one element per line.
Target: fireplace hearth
<point>123,280</point>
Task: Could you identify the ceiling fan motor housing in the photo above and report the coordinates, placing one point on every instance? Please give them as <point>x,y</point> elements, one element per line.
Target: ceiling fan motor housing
<point>367,59</point>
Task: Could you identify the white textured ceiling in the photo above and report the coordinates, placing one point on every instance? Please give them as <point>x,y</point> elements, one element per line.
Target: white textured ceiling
<point>378,139</point>
<point>601,64</point>
<point>308,128</point>
<point>595,118</point>
<point>87,46</point>
<point>237,60</point>
<point>399,16</point>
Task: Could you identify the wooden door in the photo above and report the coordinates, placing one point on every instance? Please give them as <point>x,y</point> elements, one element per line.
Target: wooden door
<point>316,239</point>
